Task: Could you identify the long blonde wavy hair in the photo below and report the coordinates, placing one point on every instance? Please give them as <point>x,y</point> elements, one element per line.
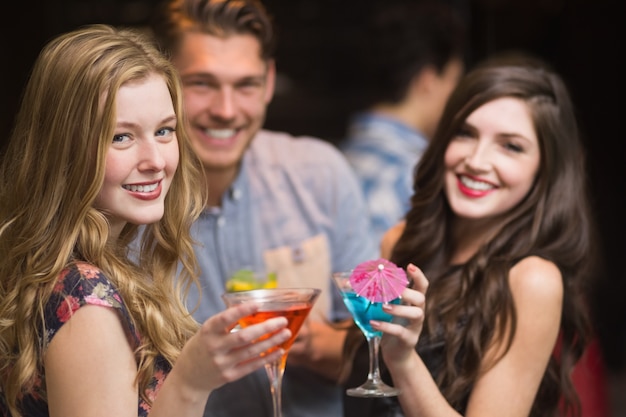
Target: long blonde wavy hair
<point>51,174</point>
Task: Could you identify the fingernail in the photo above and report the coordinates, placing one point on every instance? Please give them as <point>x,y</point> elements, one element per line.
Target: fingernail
<point>411,268</point>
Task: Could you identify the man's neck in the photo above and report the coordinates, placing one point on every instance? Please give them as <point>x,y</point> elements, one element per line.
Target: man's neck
<point>409,113</point>
<point>218,182</point>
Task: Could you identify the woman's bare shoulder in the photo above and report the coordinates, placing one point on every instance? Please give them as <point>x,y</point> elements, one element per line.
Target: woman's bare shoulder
<point>390,238</point>
<point>537,278</point>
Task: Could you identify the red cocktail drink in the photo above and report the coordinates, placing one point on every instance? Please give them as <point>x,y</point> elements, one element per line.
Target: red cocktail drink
<point>292,303</point>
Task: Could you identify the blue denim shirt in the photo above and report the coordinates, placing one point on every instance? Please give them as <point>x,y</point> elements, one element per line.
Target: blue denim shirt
<point>295,209</point>
<point>383,153</point>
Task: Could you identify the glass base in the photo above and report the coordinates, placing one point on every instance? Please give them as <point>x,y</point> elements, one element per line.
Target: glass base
<point>371,389</point>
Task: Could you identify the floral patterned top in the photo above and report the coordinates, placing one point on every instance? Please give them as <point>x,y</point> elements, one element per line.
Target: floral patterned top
<point>79,285</point>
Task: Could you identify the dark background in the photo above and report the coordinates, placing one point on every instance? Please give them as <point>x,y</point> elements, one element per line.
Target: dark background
<point>316,90</point>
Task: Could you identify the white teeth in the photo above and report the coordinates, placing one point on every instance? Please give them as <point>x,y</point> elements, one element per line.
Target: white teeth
<point>476,185</point>
<point>220,133</point>
<point>141,188</point>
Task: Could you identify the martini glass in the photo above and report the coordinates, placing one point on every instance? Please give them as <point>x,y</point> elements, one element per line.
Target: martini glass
<point>291,303</point>
<point>364,310</point>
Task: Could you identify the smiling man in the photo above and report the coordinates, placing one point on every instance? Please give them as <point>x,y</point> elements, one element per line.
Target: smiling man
<point>277,203</point>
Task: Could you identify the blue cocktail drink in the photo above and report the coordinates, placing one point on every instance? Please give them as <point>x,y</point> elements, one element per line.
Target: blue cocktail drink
<point>363,311</point>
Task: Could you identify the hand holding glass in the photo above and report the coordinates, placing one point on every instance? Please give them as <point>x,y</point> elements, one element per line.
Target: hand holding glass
<point>364,310</point>
<point>292,303</point>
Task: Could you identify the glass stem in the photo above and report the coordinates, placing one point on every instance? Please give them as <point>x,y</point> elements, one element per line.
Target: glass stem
<point>374,371</point>
<point>275,371</point>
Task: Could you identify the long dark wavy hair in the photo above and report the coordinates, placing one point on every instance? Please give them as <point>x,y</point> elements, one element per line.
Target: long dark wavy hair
<point>470,304</point>
<point>553,222</point>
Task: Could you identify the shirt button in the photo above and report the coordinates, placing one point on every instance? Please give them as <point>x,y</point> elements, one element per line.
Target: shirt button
<point>236,194</point>
<point>221,221</point>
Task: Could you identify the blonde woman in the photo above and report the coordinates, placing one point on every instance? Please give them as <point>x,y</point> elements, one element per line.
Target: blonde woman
<point>86,327</point>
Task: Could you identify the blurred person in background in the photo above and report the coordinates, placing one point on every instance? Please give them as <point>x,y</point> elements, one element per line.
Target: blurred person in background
<point>413,56</point>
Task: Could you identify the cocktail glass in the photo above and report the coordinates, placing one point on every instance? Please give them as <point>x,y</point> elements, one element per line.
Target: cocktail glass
<point>364,310</point>
<point>292,303</point>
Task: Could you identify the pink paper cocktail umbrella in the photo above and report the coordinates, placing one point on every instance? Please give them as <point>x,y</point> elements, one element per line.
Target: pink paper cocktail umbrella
<point>378,280</point>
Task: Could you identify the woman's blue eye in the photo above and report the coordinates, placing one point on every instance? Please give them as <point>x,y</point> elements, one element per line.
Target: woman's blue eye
<point>164,131</point>
<point>120,138</point>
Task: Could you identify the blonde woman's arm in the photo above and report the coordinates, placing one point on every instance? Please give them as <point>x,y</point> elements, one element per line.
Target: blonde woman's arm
<point>91,368</point>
